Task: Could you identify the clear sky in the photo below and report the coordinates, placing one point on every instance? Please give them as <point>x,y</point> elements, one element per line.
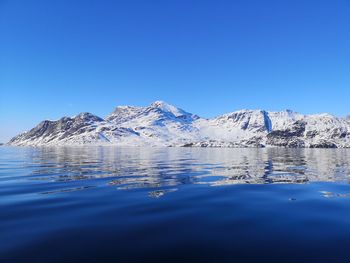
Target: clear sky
<point>63,57</point>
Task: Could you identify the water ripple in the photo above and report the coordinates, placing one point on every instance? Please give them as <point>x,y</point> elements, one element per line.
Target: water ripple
<point>131,168</point>
<point>112,204</point>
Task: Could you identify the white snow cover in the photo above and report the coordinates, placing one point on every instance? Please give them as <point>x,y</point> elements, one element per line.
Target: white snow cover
<point>162,124</point>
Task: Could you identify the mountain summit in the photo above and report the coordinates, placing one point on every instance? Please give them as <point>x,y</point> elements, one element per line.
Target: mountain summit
<point>162,124</point>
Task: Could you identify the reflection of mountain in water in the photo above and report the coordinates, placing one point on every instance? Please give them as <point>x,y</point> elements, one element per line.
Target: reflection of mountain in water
<point>284,166</point>
<point>161,169</point>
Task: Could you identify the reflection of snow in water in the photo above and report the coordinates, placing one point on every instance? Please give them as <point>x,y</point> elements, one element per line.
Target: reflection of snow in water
<point>158,169</point>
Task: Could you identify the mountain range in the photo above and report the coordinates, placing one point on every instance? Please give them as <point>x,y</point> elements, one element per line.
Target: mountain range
<point>162,124</point>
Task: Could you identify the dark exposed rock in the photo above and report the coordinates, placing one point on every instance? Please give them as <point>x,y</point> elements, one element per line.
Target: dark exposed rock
<point>204,144</point>
<point>290,137</point>
<point>311,134</point>
<point>61,129</point>
<point>125,131</point>
<point>338,133</point>
<point>247,122</point>
<point>286,142</point>
<point>295,130</point>
<point>254,142</point>
<point>323,144</point>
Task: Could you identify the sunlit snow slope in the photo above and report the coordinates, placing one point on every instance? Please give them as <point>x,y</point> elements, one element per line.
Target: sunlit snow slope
<point>162,124</point>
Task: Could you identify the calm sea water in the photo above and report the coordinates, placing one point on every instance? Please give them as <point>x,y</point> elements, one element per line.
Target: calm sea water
<point>109,204</point>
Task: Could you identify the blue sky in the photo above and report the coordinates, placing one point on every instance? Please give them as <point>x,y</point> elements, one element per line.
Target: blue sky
<point>63,57</point>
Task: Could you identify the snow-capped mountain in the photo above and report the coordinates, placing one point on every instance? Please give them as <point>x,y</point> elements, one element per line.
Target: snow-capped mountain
<point>162,124</point>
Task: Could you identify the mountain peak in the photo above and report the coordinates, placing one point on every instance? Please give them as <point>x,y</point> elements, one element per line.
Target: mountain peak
<point>87,116</point>
<point>169,108</point>
<point>162,105</point>
<point>159,103</point>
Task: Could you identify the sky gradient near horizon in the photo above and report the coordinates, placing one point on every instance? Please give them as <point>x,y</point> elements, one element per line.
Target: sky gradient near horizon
<point>59,58</point>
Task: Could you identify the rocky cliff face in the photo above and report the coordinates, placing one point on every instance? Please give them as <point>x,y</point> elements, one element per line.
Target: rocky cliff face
<point>65,130</point>
<point>161,124</point>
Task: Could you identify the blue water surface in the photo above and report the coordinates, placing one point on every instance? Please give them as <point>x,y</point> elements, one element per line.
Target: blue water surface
<point>111,204</point>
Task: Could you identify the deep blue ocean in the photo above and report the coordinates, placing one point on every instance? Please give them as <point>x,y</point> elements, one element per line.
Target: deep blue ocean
<point>110,204</point>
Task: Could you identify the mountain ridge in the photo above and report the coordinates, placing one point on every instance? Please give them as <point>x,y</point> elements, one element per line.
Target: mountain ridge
<point>162,124</point>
